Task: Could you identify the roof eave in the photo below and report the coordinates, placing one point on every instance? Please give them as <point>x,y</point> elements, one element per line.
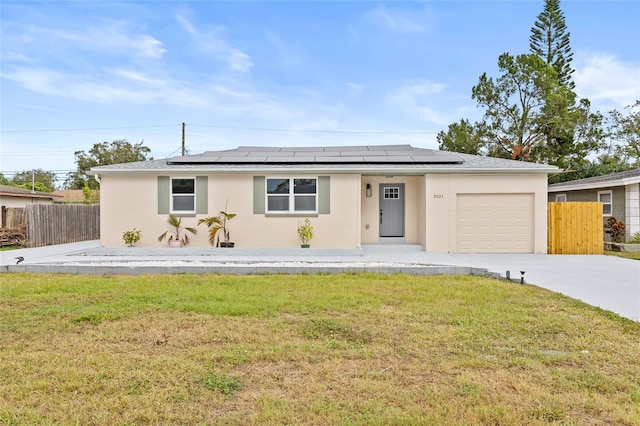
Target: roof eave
<point>340,169</point>
<point>22,195</point>
<point>594,185</point>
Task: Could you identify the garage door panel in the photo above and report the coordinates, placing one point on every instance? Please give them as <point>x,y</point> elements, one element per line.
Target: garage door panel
<point>494,223</point>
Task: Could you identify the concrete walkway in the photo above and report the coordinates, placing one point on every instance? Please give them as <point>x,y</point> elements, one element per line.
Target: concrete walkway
<point>608,282</point>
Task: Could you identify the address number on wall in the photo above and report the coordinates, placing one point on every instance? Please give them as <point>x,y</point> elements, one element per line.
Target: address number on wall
<point>438,195</point>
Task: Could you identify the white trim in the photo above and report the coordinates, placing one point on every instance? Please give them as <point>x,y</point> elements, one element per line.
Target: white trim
<point>368,170</point>
<point>610,192</point>
<point>558,196</point>
<point>291,196</point>
<point>632,208</point>
<point>171,195</point>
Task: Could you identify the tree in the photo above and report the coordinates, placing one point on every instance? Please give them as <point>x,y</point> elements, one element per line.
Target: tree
<point>550,40</point>
<point>587,169</point>
<point>625,135</point>
<point>576,133</point>
<point>45,181</point>
<point>463,137</point>
<point>103,154</point>
<point>515,103</point>
<point>3,180</point>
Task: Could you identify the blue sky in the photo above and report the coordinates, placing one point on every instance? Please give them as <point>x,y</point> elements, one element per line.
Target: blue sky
<point>313,73</point>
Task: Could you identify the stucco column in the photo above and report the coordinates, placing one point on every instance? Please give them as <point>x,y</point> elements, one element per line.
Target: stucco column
<point>632,208</point>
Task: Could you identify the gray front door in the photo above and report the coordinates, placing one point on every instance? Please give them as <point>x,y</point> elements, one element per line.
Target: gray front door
<point>392,210</point>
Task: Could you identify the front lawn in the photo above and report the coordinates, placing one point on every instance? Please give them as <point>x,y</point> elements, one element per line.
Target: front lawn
<point>309,349</point>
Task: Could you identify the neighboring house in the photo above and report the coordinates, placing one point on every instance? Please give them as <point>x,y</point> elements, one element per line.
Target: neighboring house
<point>12,197</point>
<point>446,202</point>
<point>619,194</point>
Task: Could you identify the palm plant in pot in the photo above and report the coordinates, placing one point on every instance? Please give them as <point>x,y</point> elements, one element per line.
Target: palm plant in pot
<point>219,225</point>
<point>177,235</point>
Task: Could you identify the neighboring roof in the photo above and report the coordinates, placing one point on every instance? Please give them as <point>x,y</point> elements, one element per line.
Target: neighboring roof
<point>12,191</point>
<point>372,159</point>
<point>606,181</point>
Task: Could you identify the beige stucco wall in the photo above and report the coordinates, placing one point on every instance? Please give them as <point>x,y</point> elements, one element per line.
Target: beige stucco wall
<point>129,201</point>
<point>440,211</point>
<point>414,197</point>
<point>339,229</point>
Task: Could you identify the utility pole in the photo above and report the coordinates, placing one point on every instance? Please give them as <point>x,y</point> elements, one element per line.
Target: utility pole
<point>183,149</point>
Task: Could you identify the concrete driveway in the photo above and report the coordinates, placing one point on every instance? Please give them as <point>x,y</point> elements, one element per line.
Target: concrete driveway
<point>609,282</point>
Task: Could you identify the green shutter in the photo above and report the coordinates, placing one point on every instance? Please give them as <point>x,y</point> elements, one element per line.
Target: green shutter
<point>202,194</point>
<point>324,195</point>
<point>163,194</point>
<point>259,188</point>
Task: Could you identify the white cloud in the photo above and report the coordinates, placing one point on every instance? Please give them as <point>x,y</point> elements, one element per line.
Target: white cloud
<point>285,54</point>
<point>354,89</point>
<point>421,99</point>
<point>186,25</point>
<point>398,20</point>
<point>138,77</point>
<point>208,40</point>
<point>125,87</point>
<point>606,81</point>
<point>106,37</point>
<point>227,91</point>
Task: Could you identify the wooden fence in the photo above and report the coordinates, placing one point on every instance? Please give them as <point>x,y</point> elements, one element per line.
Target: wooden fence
<point>14,218</point>
<point>575,228</point>
<point>49,224</point>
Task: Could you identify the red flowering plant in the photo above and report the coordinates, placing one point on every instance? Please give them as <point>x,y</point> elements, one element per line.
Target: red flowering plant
<point>616,229</point>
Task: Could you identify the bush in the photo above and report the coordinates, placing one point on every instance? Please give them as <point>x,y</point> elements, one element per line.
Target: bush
<point>634,239</point>
<point>131,237</point>
<point>616,229</point>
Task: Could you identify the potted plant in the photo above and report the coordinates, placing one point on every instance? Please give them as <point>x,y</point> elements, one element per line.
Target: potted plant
<point>177,235</point>
<point>131,237</point>
<point>305,232</point>
<point>218,225</point>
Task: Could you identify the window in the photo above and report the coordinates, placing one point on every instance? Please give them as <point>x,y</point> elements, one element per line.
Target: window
<point>561,198</point>
<point>183,195</point>
<point>392,193</point>
<point>292,195</point>
<point>606,199</point>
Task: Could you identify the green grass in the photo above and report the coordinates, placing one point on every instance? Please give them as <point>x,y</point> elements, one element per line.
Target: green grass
<point>332,349</point>
<point>625,254</point>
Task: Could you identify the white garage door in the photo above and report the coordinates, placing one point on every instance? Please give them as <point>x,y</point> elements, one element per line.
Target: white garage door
<point>494,223</point>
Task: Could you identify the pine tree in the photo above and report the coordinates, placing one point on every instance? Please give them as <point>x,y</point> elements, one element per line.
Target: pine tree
<point>550,40</point>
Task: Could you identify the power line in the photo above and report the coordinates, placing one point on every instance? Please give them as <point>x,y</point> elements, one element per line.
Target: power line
<point>83,129</point>
<point>266,129</point>
<point>263,129</point>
